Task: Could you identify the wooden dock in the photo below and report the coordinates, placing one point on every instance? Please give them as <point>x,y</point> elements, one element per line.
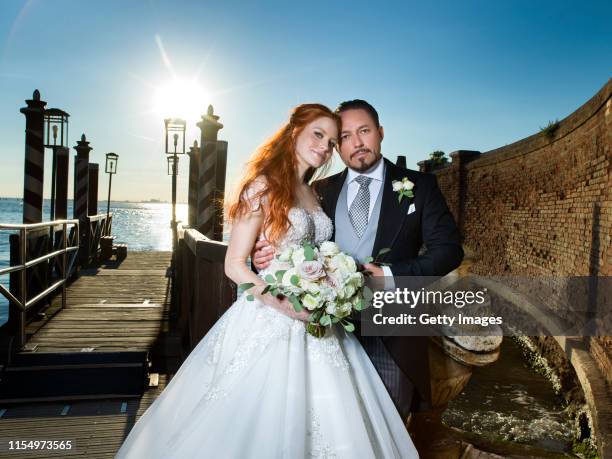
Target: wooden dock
<point>118,307</point>
<point>114,307</point>
<point>96,429</point>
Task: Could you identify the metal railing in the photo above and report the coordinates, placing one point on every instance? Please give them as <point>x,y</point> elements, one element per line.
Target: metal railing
<point>23,303</point>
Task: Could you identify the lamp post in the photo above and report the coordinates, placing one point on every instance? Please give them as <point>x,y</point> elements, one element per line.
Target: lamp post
<point>56,123</point>
<point>175,145</point>
<point>110,169</point>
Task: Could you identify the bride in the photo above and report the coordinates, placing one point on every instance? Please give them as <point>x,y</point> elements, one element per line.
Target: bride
<point>258,385</point>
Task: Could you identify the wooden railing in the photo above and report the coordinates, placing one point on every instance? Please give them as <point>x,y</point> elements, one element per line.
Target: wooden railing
<point>203,291</point>
<point>34,269</point>
<point>96,227</point>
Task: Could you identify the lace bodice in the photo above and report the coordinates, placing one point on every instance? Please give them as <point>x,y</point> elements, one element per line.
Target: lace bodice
<point>312,226</point>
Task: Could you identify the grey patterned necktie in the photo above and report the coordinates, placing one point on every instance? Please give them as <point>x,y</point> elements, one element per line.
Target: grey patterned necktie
<point>360,207</point>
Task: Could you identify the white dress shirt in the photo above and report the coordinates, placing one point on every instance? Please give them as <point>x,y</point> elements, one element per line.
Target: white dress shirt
<point>377,174</point>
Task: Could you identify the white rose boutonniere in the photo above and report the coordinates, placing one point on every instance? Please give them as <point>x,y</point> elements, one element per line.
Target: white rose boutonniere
<point>403,188</point>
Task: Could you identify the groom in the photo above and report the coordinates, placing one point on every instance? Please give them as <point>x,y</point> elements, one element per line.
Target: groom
<point>368,217</point>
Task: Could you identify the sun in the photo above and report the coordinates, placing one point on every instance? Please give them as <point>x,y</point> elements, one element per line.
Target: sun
<point>180,98</point>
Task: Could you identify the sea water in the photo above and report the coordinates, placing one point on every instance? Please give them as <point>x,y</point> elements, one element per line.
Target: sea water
<point>141,225</point>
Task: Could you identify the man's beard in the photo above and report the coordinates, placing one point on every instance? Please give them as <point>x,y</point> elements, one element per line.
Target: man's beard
<point>362,165</point>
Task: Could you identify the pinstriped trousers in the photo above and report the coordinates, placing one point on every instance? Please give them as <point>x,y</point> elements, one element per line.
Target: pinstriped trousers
<point>398,385</point>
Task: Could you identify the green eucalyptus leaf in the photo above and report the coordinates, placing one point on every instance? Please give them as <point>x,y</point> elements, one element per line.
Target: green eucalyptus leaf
<point>349,327</point>
<point>317,315</point>
<point>297,305</point>
<point>367,294</point>
<point>246,286</point>
<point>250,297</point>
<point>270,279</point>
<point>368,260</point>
<point>308,252</point>
<point>383,251</point>
<point>279,275</point>
<point>295,280</point>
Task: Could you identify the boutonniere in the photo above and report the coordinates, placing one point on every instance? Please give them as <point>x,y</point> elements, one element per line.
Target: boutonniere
<point>403,188</point>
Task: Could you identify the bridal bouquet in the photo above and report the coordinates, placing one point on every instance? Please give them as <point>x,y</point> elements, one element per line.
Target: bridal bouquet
<point>321,279</point>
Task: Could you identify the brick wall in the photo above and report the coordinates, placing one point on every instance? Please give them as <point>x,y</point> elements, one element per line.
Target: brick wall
<point>541,206</point>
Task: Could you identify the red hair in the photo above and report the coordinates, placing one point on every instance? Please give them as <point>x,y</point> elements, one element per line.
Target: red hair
<point>271,172</point>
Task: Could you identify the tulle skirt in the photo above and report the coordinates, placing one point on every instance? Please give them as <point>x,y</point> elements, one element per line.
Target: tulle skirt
<point>258,385</point>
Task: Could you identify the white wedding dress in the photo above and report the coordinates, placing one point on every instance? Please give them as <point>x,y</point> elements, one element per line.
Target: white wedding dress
<point>259,386</point>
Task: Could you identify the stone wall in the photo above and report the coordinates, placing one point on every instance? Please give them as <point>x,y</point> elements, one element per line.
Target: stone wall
<point>541,206</point>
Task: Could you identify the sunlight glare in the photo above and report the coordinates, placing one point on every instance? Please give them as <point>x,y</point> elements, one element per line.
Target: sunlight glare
<point>180,99</point>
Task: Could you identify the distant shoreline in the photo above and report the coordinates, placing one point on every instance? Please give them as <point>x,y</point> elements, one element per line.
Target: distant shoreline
<point>150,201</point>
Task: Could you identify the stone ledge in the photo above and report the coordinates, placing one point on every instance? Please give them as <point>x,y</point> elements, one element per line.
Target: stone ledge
<point>539,140</point>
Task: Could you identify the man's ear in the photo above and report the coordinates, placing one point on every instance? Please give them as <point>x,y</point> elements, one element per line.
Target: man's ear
<point>381,131</point>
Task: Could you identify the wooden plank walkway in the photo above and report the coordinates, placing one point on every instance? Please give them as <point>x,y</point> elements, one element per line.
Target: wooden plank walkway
<point>114,307</point>
<point>96,428</point>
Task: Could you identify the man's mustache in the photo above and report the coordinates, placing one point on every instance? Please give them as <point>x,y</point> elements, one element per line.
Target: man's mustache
<point>361,150</point>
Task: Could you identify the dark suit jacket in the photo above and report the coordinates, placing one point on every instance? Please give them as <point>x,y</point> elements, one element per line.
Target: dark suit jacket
<point>431,224</point>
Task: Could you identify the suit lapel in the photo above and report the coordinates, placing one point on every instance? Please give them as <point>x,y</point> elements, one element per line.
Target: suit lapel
<point>331,196</point>
<point>392,212</point>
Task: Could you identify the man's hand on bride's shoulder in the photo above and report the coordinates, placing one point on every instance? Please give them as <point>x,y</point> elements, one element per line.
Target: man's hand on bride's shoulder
<point>262,254</point>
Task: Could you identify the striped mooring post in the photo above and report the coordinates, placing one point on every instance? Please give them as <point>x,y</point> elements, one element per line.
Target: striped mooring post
<point>61,182</point>
<point>92,189</point>
<point>81,194</point>
<point>192,195</point>
<point>221,167</point>
<point>34,170</point>
<point>207,174</point>
<point>81,179</point>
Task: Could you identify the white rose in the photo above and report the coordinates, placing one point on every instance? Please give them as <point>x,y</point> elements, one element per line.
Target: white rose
<point>397,185</point>
<point>356,279</point>
<point>331,308</point>
<point>348,290</point>
<point>311,270</point>
<point>310,302</point>
<point>310,287</point>
<point>327,293</point>
<point>329,249</point>
<point>349,263</point>
<point>408,185</point>
<point>344,309</point>
<point>298,257</point>
<point>342,263</point>
<point>286,282</point>
<point>334,280</point>
<point>286,254</point>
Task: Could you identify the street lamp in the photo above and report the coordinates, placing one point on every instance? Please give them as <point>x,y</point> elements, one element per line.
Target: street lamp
<point>175,145</point>
<point>172,165</point>
<point>56,124</point>
<point>110,169</point>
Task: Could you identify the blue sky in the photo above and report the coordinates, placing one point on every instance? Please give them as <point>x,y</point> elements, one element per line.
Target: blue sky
<point>443,75</point>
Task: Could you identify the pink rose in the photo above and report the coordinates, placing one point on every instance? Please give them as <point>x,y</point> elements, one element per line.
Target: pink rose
<point>311,270</point>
